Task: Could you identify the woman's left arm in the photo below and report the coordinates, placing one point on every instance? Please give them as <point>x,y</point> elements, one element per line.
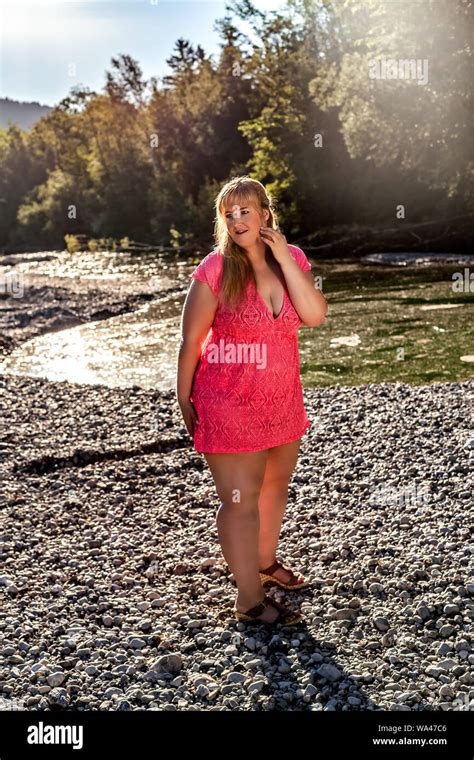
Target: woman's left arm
<point>307,299</point>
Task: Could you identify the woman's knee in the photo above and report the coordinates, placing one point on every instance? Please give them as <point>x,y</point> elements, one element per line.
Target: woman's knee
<point>238,484</point>
<point>277,484</point>
<point>244,490</point>
<point>240,502</point>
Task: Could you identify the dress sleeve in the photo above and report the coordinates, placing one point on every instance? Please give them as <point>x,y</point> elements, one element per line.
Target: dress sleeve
<point>209,270</point>
<point>300,258</point>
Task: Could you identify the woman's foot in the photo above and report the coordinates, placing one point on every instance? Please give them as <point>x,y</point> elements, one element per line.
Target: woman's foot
<point>269,614</point>
<point>267,611</point>
<point>284,575</point>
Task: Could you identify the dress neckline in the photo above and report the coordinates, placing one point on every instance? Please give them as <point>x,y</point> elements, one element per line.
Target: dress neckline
<point>270,312</point>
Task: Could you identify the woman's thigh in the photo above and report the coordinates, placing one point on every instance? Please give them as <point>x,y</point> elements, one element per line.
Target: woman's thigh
<point>281,463</point>
<point>238,477</point>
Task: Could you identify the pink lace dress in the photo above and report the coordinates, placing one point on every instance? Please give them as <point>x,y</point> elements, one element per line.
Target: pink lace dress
<point>247,388</point>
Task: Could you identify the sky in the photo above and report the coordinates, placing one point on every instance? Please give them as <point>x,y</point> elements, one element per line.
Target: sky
<point>49,46</point>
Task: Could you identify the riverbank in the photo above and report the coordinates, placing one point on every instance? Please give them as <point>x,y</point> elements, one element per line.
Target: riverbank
<point>47,306</point>
<point>116,594</point>
<point>385,323</point>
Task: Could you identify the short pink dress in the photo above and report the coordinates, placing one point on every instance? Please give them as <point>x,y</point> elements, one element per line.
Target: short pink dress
<point>247,388</point>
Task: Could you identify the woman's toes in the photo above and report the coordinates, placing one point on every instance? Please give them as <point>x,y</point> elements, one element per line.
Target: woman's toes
<point>270,613</point>
<point>288,577</point>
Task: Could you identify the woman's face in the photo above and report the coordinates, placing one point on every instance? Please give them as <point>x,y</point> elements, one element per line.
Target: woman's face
<point>244,222</point>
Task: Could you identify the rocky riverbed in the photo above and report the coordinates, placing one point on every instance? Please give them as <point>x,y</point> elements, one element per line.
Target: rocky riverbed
<point>45,306</point>
<point>116,595</point>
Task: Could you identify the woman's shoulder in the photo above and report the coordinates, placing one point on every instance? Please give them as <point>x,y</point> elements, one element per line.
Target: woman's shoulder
<point>213,263</point>
<point>300,257</point>
<point>213,260</point>
<point>215,256</point>
<point>209,270</point>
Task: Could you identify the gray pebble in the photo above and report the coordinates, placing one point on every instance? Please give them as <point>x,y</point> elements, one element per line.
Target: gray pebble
<point>235,677</point>
<point>381,623</point>
<point>56,679</point>
<point>329,671</point>
<point>446,630</point>
<point>168,663</point>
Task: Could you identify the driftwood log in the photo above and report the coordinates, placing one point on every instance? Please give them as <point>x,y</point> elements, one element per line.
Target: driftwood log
<point>455,234</point>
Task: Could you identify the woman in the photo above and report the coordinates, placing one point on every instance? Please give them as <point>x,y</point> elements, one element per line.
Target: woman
<point>239,385</point>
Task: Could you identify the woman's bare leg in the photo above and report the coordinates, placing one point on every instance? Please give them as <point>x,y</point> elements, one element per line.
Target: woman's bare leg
<point>238,479</point>
<point>272,502</point>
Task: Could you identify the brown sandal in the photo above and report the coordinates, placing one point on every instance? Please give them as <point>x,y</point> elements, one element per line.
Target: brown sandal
<point>284,617</point>
<point>295,581</point>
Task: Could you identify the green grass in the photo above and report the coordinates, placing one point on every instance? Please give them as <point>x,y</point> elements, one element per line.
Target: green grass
<point>382,305</point>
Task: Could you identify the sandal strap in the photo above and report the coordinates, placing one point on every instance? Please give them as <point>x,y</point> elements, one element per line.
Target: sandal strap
<point>277,566</point>
<point>257,610</point>
<point>254,612</point>
<point>295,580</point>
<point>272,568</point>
<point>277,605</point>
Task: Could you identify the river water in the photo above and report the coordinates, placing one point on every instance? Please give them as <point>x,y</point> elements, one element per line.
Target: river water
<point>377,307</point>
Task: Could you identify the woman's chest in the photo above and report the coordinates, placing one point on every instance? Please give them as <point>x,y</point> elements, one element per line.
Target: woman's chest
<point>271,286</point>
<point>254,314</point>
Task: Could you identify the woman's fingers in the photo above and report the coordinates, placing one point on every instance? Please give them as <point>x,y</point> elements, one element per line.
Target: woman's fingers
<point>190,416</point>
<point>191,419</point>
<point>271,234</point>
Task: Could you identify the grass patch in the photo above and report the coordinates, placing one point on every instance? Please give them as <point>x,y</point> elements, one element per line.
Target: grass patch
<point>368,301</point>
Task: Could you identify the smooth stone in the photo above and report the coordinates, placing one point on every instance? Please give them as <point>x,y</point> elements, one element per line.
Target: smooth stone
<point>345,614</point>
<point>256,686</point>
<point>168,663</point>
<point>446,691</point>
<point>443,649</point>
<point>56,679</point>
<point>235,677</point>
<point>381,623</point>
<point>447,664</point>
<point>137,643</point>
<point>329,671</point>
<point>376,588</point>
<point>450,609</point>
<point>423,612</point>
<point>446,630</point>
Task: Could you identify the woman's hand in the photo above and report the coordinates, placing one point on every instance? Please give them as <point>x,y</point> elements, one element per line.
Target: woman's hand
<point>189,415</point>
<point>277,242</point>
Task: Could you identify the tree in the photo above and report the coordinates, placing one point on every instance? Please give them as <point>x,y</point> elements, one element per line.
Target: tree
<point>398,122</point>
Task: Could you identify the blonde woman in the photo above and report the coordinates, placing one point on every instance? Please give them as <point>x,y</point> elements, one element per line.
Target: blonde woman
<point>239,386</point>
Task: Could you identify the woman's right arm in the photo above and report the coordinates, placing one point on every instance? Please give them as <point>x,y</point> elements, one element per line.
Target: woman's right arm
<point>196,320</point>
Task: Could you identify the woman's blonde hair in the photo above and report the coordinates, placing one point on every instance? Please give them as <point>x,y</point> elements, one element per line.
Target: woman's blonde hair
<point>237,270</point>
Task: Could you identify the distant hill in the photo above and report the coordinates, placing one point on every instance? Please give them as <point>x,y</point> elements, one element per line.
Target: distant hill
<point>22,114</point>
